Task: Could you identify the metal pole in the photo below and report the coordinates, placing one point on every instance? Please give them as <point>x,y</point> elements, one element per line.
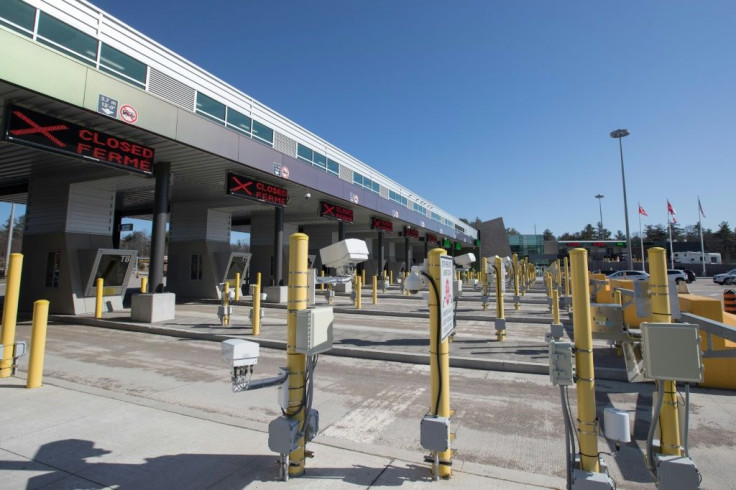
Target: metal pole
<point>626,205</point>
<point>340,231</point>
<point>38,343</point>
<point>517,305</point>
<point>702,247</point>
<point>659,290</point>
<point>100,285</point>
<point>158,238</point>
<point>278,247</point>
<point>600,210</point>
<point>10,313</point>
<point>500,334</point>
<point>439,358</point>
<point>641,241</point>
<point>11,224</point>
<point>380,255</point>
<point>587,419</point>
<point>296,363</point>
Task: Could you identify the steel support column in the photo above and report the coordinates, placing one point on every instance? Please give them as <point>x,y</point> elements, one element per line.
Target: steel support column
<point>158,236</point>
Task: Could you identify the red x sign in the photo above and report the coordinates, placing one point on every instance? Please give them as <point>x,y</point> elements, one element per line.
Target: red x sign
<point>244,186</point>
<point>36,128</point>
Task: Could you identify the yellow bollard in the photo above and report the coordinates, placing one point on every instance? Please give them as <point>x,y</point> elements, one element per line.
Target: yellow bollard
<point>296,363</point>
<point>500,334</point>
<point>362,276</point>
<point>567,283</point>
<point>358,294</point>
<point>555,307</point>
<point>98,299</point>
<point>391,276</point>
<point>38,343</point>
<point>322,274</point>
<point>237,286</point>
<point>256,309</point>
<point>226,303</point>
<point>484,279</point>
<point>258,280</point>
<point>517,304</point>
<point>375,290</point>
<point>659,290</point>
<point>144,284</point>
<point>10,313</point>
<point>587,421</point>
<point>439,358</point>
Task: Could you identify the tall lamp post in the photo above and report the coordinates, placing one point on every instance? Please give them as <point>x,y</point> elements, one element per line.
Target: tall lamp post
<point>600,210</point>
<point>621,133</point>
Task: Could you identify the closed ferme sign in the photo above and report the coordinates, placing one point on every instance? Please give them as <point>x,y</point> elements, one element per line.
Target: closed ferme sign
<point>30,128</point>
<point>238,185</point>
<point>381,224</point>
<point>333,211</point>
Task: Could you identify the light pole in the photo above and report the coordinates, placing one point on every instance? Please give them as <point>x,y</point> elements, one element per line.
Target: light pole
<point>600,209</point>
<point>621,133</point>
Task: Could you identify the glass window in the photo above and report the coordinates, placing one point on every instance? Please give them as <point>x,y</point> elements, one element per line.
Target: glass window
<point>367,183</point>
<point>376,187</point>
<point>304,153</point>
<point>55,33</point>
<point>436,217</point>
<point>19,16</point>
<point>263,132</point>
<point>320,160</point>
<point>333,167</point>
<point>239,121</point>
<point>123,66</point>
<point>357,179</point>
<point>208,106</point>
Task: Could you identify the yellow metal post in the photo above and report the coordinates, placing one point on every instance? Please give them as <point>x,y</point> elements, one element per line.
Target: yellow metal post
<point>237,286</point>
<point>517,304</point>
<point>257,308</point>
<point>500,334</point>
<point>439,357</point>
<point>296,363</point>
<point>362,276</point>
<point>358,294</point>
<point>226,302</point>
<point>567,283</point>
<point>144,284</point>
<point>38,343</point>
<point>582,328</point>
<point>375,290</point>
<point>98,299</point>
<point>10,312</point>
<point>555,307</point>
<point>391,276</point>
<point>659,290</point>
<point>322,274</point>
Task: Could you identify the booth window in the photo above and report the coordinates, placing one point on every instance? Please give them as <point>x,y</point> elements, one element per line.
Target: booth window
<point>59,35</point>
<point>18,16</point>
<point>53,268</point>
<point>196,274</point>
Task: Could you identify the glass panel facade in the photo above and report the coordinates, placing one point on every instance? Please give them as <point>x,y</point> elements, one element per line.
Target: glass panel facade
<point>436,217</point>
<point>210,107</point>
<point>333,167</point>
<point>238,121</point>
<point>18,13</point>
<point>304,153</point>
<point>54,33</point>
<point>122,66</point>
<point>420,209</point>
<point>320,160</point>
<point>263,133</point>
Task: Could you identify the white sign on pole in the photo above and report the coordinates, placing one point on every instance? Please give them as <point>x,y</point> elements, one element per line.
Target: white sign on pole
<point>447,310</point>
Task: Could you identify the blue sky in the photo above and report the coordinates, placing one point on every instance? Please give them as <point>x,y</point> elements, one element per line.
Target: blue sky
<point>491,108</point>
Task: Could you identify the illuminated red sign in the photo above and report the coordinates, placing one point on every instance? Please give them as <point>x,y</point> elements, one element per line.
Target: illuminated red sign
<point>431,238</point>
<point>411,233</point>
<point>256,190</point>
<point>381,224</point>
<point>573,244</point>
<point>333,211</point>
<point>598,244</point>
<point>38,130</point>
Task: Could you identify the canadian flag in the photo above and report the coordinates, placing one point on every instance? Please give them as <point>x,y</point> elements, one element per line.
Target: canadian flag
<point>641,211</point>
<point>670,209</point>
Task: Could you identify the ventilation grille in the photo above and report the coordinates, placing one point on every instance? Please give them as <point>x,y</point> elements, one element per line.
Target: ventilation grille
<point>346,173</point>
<point>383,192</point>
<point>284,144</point>
<point>171,89</point>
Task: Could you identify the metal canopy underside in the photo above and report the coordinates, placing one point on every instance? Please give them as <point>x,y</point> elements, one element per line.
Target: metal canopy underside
<point>197,176</point>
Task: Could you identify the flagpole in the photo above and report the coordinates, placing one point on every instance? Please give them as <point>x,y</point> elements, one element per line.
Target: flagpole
<point>700,225</point>
<point>672,256</point>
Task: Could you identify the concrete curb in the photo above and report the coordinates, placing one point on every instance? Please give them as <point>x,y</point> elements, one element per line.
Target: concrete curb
<point>339,351</point>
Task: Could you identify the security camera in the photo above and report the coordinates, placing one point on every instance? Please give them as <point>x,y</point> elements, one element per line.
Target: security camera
<point>308,195</point>
<point>414,281</point>
<point>344,254</point>
<point>464,260</point>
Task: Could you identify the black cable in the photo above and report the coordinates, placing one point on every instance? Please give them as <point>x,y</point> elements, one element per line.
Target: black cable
<point>439,340</point>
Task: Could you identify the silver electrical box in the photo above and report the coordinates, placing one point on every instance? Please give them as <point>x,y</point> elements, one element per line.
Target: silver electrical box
<point>671,351</point>
<point>434,433</point>
<point>677,473</point>
<point>314,330</point>
<point>607,321</point>
<point>282,435</point>
<point>560,363</point>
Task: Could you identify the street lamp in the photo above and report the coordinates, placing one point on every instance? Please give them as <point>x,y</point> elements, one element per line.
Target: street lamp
<point>600,209</point>
<point>621,133</point>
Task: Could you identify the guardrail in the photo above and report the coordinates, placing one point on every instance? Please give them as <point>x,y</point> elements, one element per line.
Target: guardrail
<point>711,328</point>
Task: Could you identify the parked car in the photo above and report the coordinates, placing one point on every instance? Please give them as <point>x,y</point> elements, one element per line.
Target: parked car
<point>629,275</point>
<point>725,278</point>
<point>690,275</point>
<point>678,274</point>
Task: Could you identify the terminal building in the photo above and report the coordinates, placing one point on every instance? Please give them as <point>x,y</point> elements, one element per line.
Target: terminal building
<point>100,123</point>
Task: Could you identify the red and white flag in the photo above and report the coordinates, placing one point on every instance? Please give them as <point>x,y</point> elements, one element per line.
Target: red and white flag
<point>641,211</point>
<point>670,209</point>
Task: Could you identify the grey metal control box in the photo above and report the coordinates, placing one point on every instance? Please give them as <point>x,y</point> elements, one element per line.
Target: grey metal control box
<point>314,330</point>
<point>312,424</point>
<point>434,433</point>
<point>607,321</point>
<point>677,473</point>
<point>585,480</point>
<point>560,363</point>
<point>671,351</point>
<point>282,435</point>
